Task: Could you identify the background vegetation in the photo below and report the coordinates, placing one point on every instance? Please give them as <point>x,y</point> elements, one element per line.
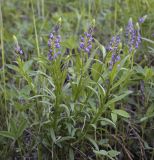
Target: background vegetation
<point>75,107</point>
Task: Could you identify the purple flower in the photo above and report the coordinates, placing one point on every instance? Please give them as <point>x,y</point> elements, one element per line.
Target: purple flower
<point>86,41</point>
<point>130,34</point>
<point>57,40</point>
<point>49,43</point>
<point>19,50</point>
<point>114,43</point>
<point>59,37</point>
<point>87,50</point>
<point>82,45</point>
<point>50,57</point>
<point>142,19</point>
<point>138,39</point>
<point>88,35</point>
<point>82,39</point>
<point>51,36</point>
<point>50,51</point>
<point>54,44</point>
<point>58,53</point>
<point>89,47</point>
<point>57,45</point>
<point>133,35</point>
<point>114,59</point>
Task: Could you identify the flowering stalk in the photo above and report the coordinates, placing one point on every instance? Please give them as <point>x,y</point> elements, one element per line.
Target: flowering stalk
<point>133,35</point>
<point>87,39</point>
<point>114,46</point>
<point>142,19</point>
<point>54,42</point>
<point>18,49</point>
<point>114,43</point>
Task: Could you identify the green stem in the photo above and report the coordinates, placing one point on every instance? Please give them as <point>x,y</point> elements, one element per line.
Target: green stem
<point>39,152</point>
<point>3,56</point>
<point>36,35</point>
<point>115,16</point>
<point>42,8</point>
<point>132,59</point>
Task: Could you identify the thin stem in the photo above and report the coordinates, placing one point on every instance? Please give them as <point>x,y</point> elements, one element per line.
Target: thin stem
<point>3,56</point>
<point>132,59</point>
<point>42,8</point>
<point>115,16</point>
<point>36,35</point>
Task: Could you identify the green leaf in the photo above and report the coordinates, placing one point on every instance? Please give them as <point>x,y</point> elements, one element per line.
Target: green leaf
<point>7,134</point>
<point>71,42</point>
<point>148,40</point>
<point>25,91</point>
<point>116,69</point>
<point>13,126</point>
<point>86,66</point>
<point>13,67</point>
<point>101,47</point>
<point>146,117</point>
<point>21,127</point>
<point>66,109</point>
<point>94,91</point>
<point>123,78</point>
<point>150,110</point>
<point>106,121</point>
<point>114,117</point>
<point>67,138</point>
<point>118,98</point>
<point>113,153</point>
<point>96,71</point>
<point>52,133</point>
<point>27,65</point>
<point>71,154</point>
<point>101,152</point>
<point>93,143</point>
<point>121,113</point>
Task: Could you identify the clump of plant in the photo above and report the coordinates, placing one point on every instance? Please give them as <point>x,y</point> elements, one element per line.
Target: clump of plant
<point>74,105</point>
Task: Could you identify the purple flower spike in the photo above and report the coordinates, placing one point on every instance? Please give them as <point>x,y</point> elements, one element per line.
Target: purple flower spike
<point>54,43</point>
<point>114,43</point>
<point>86,41</point>
<point>138,39</point>
<point>133,35</point>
